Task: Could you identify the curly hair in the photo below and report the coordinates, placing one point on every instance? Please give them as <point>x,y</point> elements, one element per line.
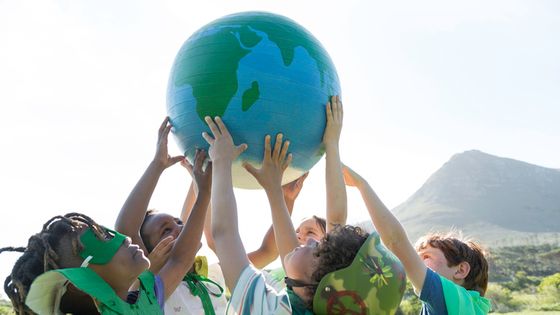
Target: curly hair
<point>336,251</point>
<point>45,252</point>
<point>457,250</point>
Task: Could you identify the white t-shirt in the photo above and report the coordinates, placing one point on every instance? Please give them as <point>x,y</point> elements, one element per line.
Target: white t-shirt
<point>183,302</point>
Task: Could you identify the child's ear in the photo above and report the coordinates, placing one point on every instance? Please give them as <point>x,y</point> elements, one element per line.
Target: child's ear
<point>462,270</point>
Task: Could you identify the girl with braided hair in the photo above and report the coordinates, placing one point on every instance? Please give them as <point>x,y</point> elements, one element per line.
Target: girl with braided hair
<point>61,245</point>
<point>76,266</point>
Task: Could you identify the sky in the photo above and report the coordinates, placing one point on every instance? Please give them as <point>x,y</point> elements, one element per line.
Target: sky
<point>83,87</point>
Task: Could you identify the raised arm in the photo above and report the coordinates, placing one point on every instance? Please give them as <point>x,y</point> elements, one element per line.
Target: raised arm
<point>336,191</point>
<point>132,214</point>
<point>389,228</point>
<point>187,206</point>
<point>229,248</point>
<point>270,177</point>
<point>187,243</point>
<point>268,251</point>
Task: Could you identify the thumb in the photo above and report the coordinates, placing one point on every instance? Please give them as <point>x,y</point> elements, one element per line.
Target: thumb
<point>176,159</point>
<point>251,169</point>
<point>240,148</point>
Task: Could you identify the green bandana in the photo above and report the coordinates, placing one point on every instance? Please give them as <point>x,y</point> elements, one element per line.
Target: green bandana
<point>459,300</point>
<point>100,251</point>
<point>373,283</point>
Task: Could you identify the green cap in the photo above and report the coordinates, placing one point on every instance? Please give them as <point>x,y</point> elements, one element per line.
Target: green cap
<point>373,283</point>
<point>100,251</point>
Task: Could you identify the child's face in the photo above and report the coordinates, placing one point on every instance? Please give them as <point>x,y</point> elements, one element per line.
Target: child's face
<point>435,259</point>
<point>309,229</point>
<point>160,226</point>
<point>127,264</point>
<point>301,263</point>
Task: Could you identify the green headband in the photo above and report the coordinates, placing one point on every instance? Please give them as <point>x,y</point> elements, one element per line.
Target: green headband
<point>100,251</point>
<point>373,283</point>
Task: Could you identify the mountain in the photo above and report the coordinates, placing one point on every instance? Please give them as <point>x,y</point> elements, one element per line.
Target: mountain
<point>498,201</point>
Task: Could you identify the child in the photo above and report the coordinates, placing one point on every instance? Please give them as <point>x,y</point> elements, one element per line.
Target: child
<point>371,278</point>
<point>102,265</point>
<point>201,288</point>
<point>315,227</point>
<point>451,275</point>
<point>76,266</point>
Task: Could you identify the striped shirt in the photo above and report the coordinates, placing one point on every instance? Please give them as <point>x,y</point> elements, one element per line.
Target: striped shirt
<point>253,296</point>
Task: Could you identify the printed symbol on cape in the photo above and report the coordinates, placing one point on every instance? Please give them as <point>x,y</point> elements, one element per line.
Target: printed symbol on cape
<point>345,302</point>
<point>379,273</point>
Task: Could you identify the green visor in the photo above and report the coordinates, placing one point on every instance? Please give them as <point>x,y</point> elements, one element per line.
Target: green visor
<point>100,251</point>
<point>373,283</point>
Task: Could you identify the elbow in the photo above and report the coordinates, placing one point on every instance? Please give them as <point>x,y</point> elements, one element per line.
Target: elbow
<point>395,242</point>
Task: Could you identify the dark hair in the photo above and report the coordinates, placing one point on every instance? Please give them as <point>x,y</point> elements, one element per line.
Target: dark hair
<point>456,250</point>
<point>336,250</point>
<point>322,223</point>
<point>143,236</point>
<point>45,252</point>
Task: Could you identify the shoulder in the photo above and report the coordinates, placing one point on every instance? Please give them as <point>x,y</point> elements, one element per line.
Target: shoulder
<point>432,294</point>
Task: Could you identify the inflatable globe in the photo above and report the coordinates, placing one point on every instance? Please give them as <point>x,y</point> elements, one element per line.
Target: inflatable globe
<point>263,74</point>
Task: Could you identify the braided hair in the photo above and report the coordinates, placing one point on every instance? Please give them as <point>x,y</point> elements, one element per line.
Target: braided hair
<point>45,251</point>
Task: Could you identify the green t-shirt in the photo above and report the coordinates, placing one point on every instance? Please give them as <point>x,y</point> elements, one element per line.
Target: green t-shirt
<point>459,300</point>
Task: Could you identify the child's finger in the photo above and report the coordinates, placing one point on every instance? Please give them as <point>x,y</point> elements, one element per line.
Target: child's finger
<point>277,146</point>
<point>163,125</point>
<point>340,109</point>
<point>165,132</point>
<point>176,159</point>
<point>329,111</point>
<point>287,162</point>
<point>162,244</point>
<point>222,126</point>
<point>208,169</point>
<point>240,148</point>
<point>266,147</point>
<point>251,169</point>
<point>199,159</point>
<point>208,138</point>
<point>284,151</point>
<point>212,125</point>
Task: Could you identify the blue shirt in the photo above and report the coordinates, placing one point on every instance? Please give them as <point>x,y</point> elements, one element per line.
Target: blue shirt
<point>433,300</point>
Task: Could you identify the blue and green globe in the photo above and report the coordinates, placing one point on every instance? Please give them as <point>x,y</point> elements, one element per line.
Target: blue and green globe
<point>263,74</point>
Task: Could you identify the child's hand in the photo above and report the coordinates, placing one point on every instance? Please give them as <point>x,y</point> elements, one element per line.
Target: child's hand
<point>334,121</point>
<point>351,178</point>
<point>162,157</point>
<point>158,256</point>
<point>291,190</point>
<point>222,147</point>
<point>274,163</point>
<point>202,178</point>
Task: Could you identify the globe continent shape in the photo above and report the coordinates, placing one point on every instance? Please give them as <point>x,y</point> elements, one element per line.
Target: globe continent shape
<point>263,74</point>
